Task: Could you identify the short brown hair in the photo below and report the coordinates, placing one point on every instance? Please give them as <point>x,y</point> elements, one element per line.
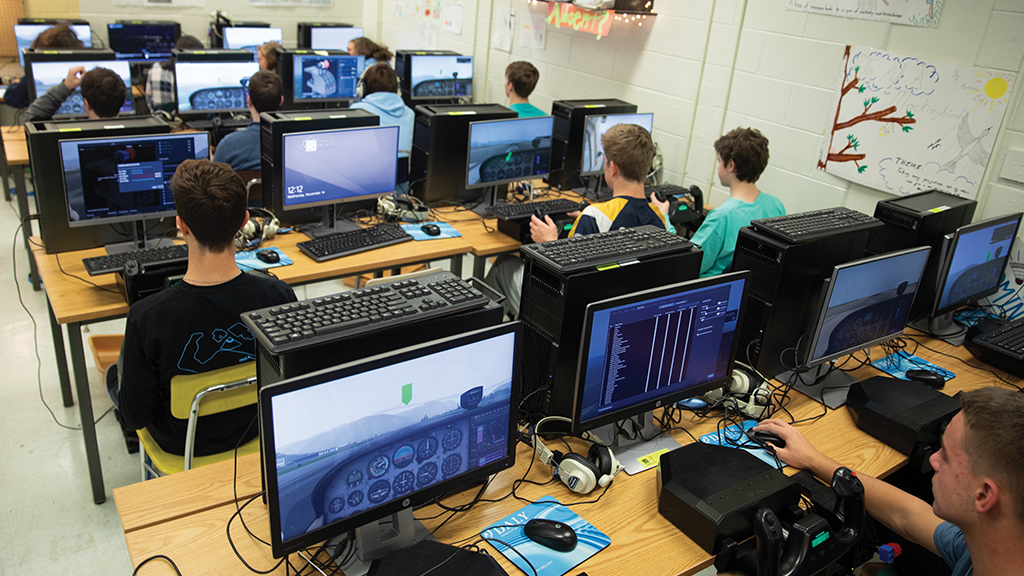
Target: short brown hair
<point>631,148</point>
<point>269,52</point>
<point>104,90</point>
<point>379,78</point>
<point>993,420</point>
<point>523,76</point>
<point>211,199</point>
<point>748,148</point>
<point>370,49</point>
<point>185,42</point>
<point>265,89</point>
<point>60,36</point>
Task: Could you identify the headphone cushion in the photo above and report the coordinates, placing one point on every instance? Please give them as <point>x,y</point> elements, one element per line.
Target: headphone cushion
<point>583,462</point>
<point>601,456</point>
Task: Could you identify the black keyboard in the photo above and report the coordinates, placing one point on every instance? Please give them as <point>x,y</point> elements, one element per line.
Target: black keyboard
<point>665,192</point>
<point>311,322</point>
<point>229,124</point>
<point>804,226</point>
<point>589,250</point>
<point>523,210</point>
<point>115,262</point>
<point>353,242</point>
<point>1008,339</point>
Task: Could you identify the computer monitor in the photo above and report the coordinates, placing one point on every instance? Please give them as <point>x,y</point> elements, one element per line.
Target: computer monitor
<point>212,86</point>
<point>437,76</point>
<point>329,167</point>
<point>332,37</point>
<point>595,127</point>
<point>43,75</point>
<point>322,76</point>
<point>651,348</point>
<point>239,38</point>
<point>567,148</point>
<point>348,446</point>
<point>502,151</point>
<point>124,178</point>
<point>25,34</point>
<point>867,302</point>
<point>143,41</point>
<point>974,264</point>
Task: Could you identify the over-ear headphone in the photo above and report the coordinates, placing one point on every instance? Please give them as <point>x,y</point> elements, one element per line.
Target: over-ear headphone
<point>361,86</point>
<point>580,474</point>
<point>262,226</point>
<point>408,208</point>
<point>745,395</point>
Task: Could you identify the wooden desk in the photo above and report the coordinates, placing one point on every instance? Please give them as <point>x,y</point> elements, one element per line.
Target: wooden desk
<point>184,516</point>
<point>74,302</point>
<point>14,162</point>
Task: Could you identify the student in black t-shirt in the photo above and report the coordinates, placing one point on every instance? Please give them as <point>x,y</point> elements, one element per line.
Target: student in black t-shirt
<point>194,326</point>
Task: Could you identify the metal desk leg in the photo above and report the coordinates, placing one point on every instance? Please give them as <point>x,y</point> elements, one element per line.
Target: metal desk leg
<point>457,265</point>
<point>62,362</point>
<point>6,169</point>
<point>92,452</point>
<point>478,266</point>
<point>26,229</point>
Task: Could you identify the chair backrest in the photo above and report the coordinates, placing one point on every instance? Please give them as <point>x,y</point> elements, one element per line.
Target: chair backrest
<point>253,180</point>
<point>186,387</point>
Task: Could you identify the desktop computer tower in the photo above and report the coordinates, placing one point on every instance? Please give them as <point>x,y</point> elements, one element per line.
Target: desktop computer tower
<point>440,148</point>
<point>567,139</point>
<point>273,368</point>
<point>553,310</point>
<point>921,219</point>
<point>48,174</point>
<point>273,126</point>
<point>785,292</point>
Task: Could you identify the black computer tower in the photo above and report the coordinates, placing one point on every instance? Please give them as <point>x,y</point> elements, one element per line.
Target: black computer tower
<point>553,309</point>
<point>921,219</point>
<point>567,140</point>
<point>273,125</point>
<point>273,368</point>
<point>785,293</point>
<point>439,149</point>
<point>48,175</point>
<point>304,33</point>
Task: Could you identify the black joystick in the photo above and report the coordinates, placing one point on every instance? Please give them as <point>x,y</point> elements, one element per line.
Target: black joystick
<point>768,531</point>
<point>850,491</point>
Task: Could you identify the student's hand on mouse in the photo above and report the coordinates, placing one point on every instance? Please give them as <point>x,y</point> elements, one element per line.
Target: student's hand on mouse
<point>74,79</point>
<point>543,230</point>
<point>573,214</point>
<point>662,206</point>
<point>799,452</point>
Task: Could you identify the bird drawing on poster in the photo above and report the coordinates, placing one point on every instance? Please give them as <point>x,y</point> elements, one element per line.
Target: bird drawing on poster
<point>970,145</point>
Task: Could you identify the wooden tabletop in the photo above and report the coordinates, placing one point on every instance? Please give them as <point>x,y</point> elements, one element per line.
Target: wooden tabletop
<point>184,516</point>
<point>15,146</point>
<point>74,299</point>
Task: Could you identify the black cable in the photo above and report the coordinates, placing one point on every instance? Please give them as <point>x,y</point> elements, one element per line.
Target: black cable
<point>512,548</point>
<point>157,557</point>
<point>61,268</point>
<point>232,542</point>
<point>964,362</point>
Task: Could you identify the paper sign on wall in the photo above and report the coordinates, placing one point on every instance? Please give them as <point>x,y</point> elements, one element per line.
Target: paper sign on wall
<point>452,17</point>
<point>568,15</point>
<point>532,30</point>
<point>428,36</point>
<point>902,124</point>
<point>909,12</point>
<point>502,33</point>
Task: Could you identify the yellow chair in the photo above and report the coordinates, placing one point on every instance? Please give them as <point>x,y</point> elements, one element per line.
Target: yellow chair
<point>195,395</point>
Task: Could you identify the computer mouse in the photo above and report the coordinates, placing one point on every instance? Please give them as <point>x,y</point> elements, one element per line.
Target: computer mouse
<point>927,377</point>
<point>692,403</point>
<point>763,437</point>
<point>431,229</point>
<point>268,256</point>
<point>551,534</point>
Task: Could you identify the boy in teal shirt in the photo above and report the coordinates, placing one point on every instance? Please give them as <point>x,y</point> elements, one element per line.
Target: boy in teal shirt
<point>742,157</point>
<point>520,80</point>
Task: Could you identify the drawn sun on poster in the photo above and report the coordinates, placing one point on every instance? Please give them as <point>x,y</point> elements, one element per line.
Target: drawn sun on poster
<point>991,88</point>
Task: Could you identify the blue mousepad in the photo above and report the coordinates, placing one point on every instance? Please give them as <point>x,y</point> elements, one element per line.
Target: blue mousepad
<point>249,261</point>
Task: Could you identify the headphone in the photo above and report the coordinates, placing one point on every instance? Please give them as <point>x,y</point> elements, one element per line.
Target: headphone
<point>262,226</point>
<point>580,474</point>
<point>408,208</point>
<point>361,85</point>
<point>745,396</point>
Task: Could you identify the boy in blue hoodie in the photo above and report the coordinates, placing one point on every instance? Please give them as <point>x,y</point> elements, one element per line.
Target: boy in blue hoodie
<point>380,96</point>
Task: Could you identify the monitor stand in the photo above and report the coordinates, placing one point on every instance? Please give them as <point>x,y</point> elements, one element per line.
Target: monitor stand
<point>489,199</point>
<point>942,327</point>
<point>628,444</point>
<point>139,240</point>
<point>331,224</point>
<point>389,535</point>
<point>595,188</point>
<point>832,390</point>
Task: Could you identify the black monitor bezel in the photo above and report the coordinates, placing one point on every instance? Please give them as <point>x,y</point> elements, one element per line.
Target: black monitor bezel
<point>583,145</point>
<point>73,56</point>
<point>118,219</point>
<point>303,31</point>
<point>286,70</point>
<point>280,548</point>
<point>469,151</point>
<point>156,56</point>
<point>826,296</point>
<point>193,113</point>
<point>578,425</point>
<point>412,63</point>
<point>947,262</point>
<point>284,158</point>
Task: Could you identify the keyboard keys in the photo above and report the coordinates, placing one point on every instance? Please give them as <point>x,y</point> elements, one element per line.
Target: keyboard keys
<point>353,242</point>
<point>115,262</point>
